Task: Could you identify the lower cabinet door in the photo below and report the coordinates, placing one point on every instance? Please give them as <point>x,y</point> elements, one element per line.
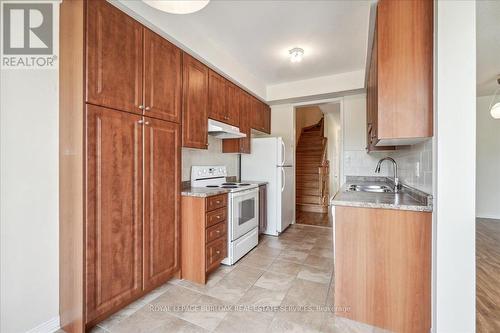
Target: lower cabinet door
<point>114,210</point>
<point>162,176</point>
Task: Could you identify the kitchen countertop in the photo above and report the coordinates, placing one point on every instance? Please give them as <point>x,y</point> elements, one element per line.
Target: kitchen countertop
<point>408,199</point>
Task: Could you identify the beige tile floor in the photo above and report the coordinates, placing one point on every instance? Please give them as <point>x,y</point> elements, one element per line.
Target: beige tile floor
<point>295,269</point>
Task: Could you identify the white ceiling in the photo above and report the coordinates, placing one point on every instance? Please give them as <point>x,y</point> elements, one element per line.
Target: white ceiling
<point>488,46</point>
<point>258,34</point>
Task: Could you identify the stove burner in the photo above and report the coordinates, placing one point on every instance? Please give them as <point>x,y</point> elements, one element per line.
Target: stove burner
<point>228,183</point>
<point>212,186</point>
<point>229,186</point>
<point>244,184</point>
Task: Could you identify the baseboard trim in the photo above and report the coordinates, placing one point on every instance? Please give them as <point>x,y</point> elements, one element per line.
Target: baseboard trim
<point>49,326</point>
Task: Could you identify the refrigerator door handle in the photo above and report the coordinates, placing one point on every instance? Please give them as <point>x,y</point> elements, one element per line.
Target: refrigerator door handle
<point>283,152</point>
<point>283,179</point>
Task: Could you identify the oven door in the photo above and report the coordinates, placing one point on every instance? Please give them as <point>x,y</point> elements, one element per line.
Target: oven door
<point>244,212</point>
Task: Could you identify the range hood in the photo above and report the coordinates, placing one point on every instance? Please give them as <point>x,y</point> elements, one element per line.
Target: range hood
<point>224,131</point>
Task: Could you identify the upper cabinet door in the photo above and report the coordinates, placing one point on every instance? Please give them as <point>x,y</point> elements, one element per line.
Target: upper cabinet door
<point>114,58</point>
<point>405,69</point>
<point>232,115</point>
<point>266,118</point>
<point>195,102</point>
<point>162,78</point>
<point>217,97</point>
<point>162,178</point>
<point>245,111</point>
<point>114,210</point>
<point>255,115</point>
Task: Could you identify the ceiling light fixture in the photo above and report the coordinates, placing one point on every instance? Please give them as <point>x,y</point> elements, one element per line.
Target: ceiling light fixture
<point>495,108</point>
<point>178,6</point>
<point>296,54</point>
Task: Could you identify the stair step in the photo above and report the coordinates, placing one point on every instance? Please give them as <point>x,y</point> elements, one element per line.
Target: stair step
<point>309,152</point>
<point>312,208</point>
<point>308,177</point>
<point>307,191</point>
<point>309,148</point>
<point>309,199</point>
<point>307,185</point>
<point>307,171</point>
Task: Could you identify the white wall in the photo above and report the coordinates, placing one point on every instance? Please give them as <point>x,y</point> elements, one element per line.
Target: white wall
<point>333,133</point>
<point>211,156</point>
<point>317,86</point>
<point>29,198</point>
<point>488,161</point>
<point>414,164</point>
<point>455,127</point>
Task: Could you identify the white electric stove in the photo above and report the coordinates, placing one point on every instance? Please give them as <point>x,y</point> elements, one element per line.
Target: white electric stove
<point>243,209</point>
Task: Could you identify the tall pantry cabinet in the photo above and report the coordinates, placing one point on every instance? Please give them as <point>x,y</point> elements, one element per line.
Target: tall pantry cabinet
<point>120,141</point>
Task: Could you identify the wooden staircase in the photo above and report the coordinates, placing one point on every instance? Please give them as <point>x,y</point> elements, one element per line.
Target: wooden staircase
<point>312,170</point>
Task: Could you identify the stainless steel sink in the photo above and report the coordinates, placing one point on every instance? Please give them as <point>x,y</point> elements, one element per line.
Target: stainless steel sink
<point>370,188</point>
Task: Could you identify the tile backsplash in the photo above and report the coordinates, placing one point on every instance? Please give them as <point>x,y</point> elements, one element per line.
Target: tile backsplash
<point>414,164</point>
<point>211,156</point>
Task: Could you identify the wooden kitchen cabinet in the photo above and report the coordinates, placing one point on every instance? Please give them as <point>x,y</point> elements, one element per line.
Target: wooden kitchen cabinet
<point>400,77</point>
<point>162,158</point>
<point>130,68</point>
<point>260,116</point>
<point>114,210</point>
<point>204,236</point>
<point>114,58</point>
<point>223,100</point>
<point>133,222</point>
<point>195,103</point>
<point>162,78</point>
<point>232,104</point>
<point>217,97</point>
<point>383,267</point>
<point>241,145</point>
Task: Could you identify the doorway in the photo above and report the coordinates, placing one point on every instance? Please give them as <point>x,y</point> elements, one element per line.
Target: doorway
<point>317,159</point>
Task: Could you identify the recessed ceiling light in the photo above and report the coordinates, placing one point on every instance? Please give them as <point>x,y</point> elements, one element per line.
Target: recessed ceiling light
<point>296,54</point>
<point>178,6</point>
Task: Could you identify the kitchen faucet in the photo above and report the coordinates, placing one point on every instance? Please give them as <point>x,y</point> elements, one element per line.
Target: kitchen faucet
<point>397,184</point>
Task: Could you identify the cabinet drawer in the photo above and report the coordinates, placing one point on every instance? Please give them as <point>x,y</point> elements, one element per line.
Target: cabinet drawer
<point>217,201</point>
<point>215,252</point>
<point>216,216</point>
<point>216,231</point>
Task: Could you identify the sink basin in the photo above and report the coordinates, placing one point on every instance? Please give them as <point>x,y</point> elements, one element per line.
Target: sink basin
<point>370,188</point>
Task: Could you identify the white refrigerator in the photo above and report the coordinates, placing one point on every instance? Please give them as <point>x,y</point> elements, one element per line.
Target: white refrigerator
<point>271,160</point>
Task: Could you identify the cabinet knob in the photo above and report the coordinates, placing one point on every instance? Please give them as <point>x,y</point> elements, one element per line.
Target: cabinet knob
<point>140,121</point>
<point>218,216</point>
<point>141,107</point>
<point>147,108</point>
<point>218,231</point>
<point>146,123</point>
<point>218,252</point>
